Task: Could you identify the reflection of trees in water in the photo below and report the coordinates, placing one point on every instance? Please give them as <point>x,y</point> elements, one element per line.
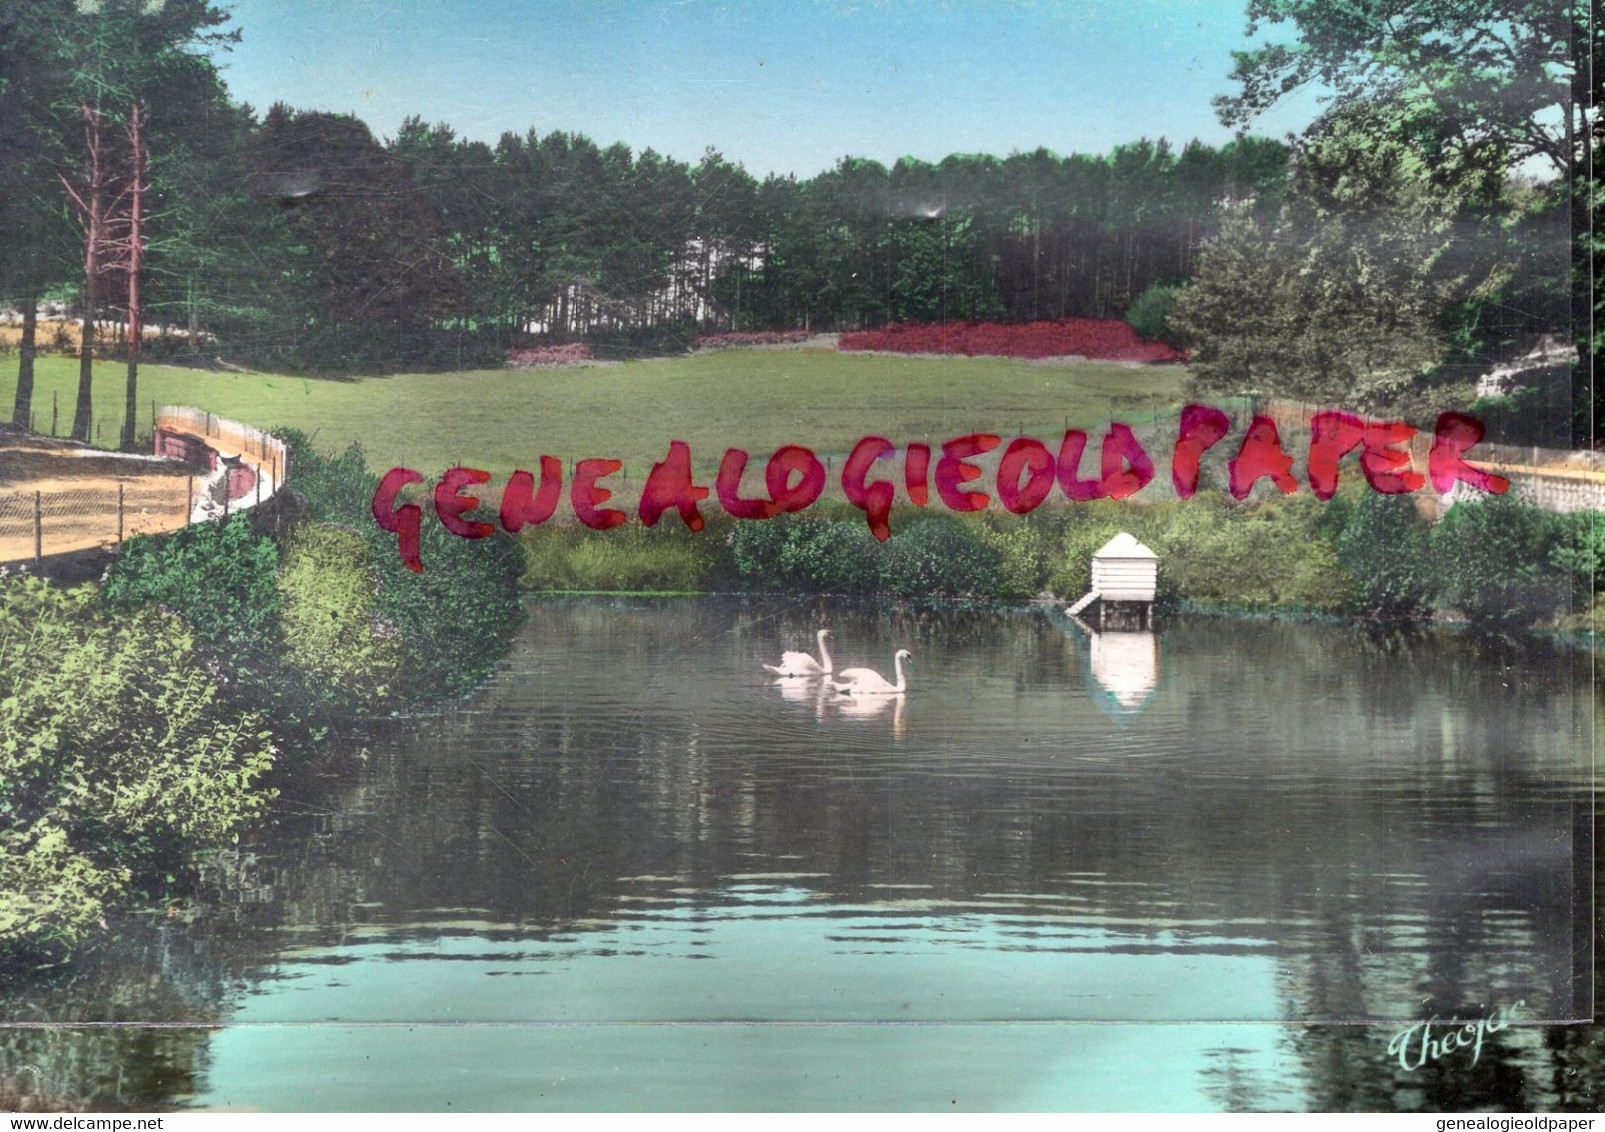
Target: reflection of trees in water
<point>1532,1068</point>
<point>144,973</point>
<point>108,1069</point>
<point>617,747</point>
<point>1233,1082</point>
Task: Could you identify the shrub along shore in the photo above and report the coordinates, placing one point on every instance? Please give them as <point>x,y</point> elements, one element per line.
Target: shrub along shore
<point>1499,564</point>
<point>150,717</point>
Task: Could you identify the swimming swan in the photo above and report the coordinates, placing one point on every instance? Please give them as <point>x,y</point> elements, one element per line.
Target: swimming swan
<point>868,682</point>
<point>801,664</point>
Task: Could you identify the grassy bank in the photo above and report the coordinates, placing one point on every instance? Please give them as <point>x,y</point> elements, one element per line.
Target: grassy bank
<point>1499,564</point>
<point>754,399</point>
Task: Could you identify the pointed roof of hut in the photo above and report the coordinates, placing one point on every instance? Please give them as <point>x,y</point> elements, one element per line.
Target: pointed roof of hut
<point>1123,546</point>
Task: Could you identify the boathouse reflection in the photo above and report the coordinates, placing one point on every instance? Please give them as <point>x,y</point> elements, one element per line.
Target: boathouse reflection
<point>1123,669</point>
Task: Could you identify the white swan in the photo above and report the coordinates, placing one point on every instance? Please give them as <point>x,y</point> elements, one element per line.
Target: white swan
<point>801,664</point>
<point>868,682</point>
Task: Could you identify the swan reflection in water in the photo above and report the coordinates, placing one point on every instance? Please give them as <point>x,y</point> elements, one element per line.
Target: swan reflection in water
<point>825,699</point>
<point>872,707</point>
<point>804,690</point>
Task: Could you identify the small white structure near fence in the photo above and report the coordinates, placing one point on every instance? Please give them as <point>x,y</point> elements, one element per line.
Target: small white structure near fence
<point>241,465</point>
<point>1123,571</point>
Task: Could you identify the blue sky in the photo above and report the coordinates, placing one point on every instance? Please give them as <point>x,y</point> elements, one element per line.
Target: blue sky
<point>787,87</point>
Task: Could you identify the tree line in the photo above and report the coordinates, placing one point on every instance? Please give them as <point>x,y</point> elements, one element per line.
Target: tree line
<point>556,232</point>
<point>296,237</point>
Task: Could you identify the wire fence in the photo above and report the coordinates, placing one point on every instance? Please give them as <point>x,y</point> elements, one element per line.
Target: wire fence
<point>232,467</point>
<point>38,524</point>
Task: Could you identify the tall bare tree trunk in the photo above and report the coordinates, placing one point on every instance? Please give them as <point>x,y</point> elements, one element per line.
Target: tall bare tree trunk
<point>91,212</point>
<point>136,261</point>
<point>22,407</point>
<point>193,316</point>
<point>84,409</point>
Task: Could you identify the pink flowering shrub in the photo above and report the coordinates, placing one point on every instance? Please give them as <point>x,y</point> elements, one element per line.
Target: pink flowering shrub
<point>549,355</point>
<point>1105,339</point>
<point>751,338</point>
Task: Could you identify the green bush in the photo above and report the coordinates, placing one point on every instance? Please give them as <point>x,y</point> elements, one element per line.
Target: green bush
<point>1027,550</point>
<point>804,554</point>
<point>629,558</point>
<point>51,894</point>
<point>1260,555</point>
<point>219,576</point>
<point>331,631</point>
<point>1496,561</point>
<point>939,557</point>
<point>841,557</point>
<point>455,619</point>
<point>1581,549</point>
<point>932,557</point>
<point>657,340</point>
<point>755,550</point>
<point>1212,551</point>
<point>1385,548</point>
<point>338,489</point>
<point>1149,313</point>
<point>1530,415</point>
<point>118,756</point>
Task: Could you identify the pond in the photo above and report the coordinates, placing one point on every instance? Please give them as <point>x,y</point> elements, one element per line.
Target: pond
<point>1167,871</point>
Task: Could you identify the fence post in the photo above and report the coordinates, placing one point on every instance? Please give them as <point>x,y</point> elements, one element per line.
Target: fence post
<point>189,499</point>
<point>38,530</point>
<point>259,485</point>
<point>53,397</point>
<point>119,513</point>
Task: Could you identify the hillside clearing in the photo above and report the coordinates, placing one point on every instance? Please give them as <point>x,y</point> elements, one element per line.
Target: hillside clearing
<point>743,398</point>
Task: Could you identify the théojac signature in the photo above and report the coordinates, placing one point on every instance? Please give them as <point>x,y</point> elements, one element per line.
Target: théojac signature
<point>1418,1043</point>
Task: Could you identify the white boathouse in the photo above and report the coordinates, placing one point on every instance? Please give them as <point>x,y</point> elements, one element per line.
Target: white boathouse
<point>1124,573</point>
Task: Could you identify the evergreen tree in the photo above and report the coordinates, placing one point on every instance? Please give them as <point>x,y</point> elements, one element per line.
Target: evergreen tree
<point>384,275</point>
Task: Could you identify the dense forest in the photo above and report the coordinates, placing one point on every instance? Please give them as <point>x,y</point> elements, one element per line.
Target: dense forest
<point>1405,239</point>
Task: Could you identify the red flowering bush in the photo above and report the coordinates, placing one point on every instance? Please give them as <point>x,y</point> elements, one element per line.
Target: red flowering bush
<point>751,338</point>
<point>549,355</point>
<point>1106,339</point>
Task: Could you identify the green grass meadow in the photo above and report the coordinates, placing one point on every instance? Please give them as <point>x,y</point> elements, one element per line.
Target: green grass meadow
<point>753,399</point>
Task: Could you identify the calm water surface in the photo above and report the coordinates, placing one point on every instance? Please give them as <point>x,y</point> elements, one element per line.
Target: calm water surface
<point>1141,872</point>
